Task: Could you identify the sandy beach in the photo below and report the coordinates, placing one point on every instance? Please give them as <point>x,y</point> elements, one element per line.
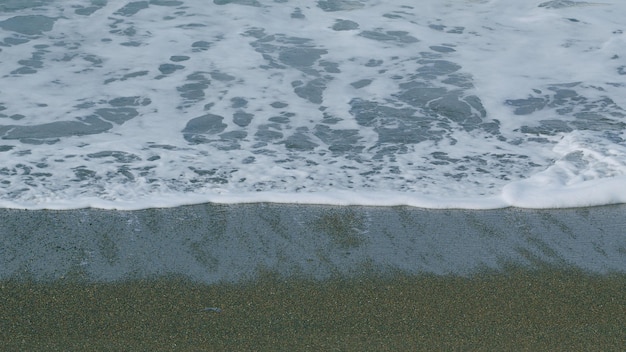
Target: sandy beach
<point>515,310</point>
<point>294,277</point>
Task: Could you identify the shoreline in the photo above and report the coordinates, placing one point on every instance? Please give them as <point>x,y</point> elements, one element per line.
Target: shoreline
<point>212,243</point>
<point>291,277</point>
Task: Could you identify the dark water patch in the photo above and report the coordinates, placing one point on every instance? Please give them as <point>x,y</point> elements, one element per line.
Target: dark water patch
<point>248,160</point>
<point>131,43</point>
<point>242,119</point>
<point>400,126</point>
<point>200,45</point>
<point>312,90</point>
<point>6,148</point>
<point>128,31</point>
<point>191,25</point>
<point>455,108</point>
<point>24,71</point>
<point>163,146</point>
<point>460,80</point>
<point>265,134</point>
<point>166,2</point>
<point>93,59</point>
<point>432,69</point>
<point>456,30</point>
<point>373,63</point>
<point>130,101</point>
<point>442,158</point>
<point>221,76</point>
<point>234,135</point>
<point>392,16</point>
<point>132,8</point>
<point>254,3</point>
<point>31,63</point>
<point>283,51</point>
<point>82,173</point>
<point>16,5</point>
<point>526,106</point>
<point>194,91</point>
<point>179,58</point>
<point>441,28</point>
<point>339,140</point>
<point>300,57</point>
<point>166,69</point>
<point>255,32</point>
<point>400,37</point>
<point>299,142</point>
<point>330,67</point>
<point>84,126</point>
<point>134,74</point>
<point>338,5</point>
<point>15,41</point>
<point>279,105</point>
<point>215,176</point>
<point>442,49</point>
<point>598,122</point>
<point>282,119</point>
<point>29,25</point>
<point>345,25</point>
<point>466,111</point>
<point>238,102</point>
<point>89,10</point>
<point>297,13</point>
<point>437,27</point>
<point>420,96</point>
<point>127,76</point>
<point>361,83</point>
<point>197,129</point>
<point>118,115</point>
<point>86,11</point>
<point>118,156</point>
<point>547,127</point>
<point>558,4</point>
<point>597,114</point>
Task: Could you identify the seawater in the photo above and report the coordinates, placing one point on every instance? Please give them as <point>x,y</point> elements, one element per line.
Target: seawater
<point>433,103</point>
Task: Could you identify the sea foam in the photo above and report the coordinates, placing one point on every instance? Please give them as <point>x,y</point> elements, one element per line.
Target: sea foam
<point>445,104</point>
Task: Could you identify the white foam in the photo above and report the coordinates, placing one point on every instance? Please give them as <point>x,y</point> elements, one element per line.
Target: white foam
<point>507,50</point>
<point>589,172</point>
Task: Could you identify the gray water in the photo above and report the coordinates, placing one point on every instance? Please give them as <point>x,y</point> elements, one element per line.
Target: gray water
<point>233,243</point>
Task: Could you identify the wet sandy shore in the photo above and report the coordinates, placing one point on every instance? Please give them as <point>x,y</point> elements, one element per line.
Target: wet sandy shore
<point>543,310</point>
<point>212,243</point>
<point>292,277</point>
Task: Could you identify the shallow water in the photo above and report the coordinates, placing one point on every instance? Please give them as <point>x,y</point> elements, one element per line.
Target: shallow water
<point>471,104</point>
<point>214,243</point>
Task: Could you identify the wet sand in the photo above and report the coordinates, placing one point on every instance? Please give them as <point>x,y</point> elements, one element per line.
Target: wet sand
<point>212,243</point>
<point>294,277</point>
<point>513,310</point>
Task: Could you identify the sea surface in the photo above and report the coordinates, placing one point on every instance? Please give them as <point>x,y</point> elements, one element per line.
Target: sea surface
<point>433,103</point>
